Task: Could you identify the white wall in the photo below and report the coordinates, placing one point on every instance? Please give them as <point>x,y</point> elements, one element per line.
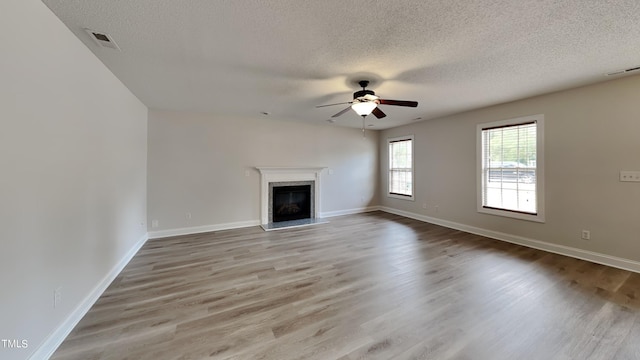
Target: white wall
<point>591,134</point>
<point>197,165</point>
<point>73,174</point>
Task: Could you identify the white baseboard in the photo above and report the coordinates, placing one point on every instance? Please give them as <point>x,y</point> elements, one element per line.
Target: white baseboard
<point>53,341</point>
<point>242,224</point>
<point>595,257</point>
<point>202,229</point>
<point>327,214</point>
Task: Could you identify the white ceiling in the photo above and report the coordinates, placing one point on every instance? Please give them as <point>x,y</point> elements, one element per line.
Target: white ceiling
<point>284,57</point>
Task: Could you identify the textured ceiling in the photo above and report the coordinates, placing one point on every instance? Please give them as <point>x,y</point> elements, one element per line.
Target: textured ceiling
<point>286,56</point>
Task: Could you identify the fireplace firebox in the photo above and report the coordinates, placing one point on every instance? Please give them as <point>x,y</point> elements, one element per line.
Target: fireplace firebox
<point>291,203</point>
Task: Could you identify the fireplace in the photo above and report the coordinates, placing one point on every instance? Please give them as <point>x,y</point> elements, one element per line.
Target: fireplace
<point>290,202</point>
<point>297,201</point>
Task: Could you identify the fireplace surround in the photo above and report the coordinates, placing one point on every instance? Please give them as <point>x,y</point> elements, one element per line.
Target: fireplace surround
<point>271,177</point>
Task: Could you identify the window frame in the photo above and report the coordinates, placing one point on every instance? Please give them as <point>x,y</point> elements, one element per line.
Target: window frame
<point>413,169</point>
<point>539,216</point>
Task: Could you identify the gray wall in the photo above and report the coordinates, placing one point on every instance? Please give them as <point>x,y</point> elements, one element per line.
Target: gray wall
<point>73,173</point>
<point>198,164</point>
<point>591,133</point>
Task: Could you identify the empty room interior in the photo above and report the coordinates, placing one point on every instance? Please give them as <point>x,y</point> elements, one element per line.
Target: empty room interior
<point>320,180</point>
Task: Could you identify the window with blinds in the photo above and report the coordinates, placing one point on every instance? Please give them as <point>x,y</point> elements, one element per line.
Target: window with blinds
<point>401,167</point>
<point>509,168</point>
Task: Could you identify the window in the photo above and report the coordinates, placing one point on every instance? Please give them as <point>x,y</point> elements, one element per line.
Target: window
<point>510,168</point>
<point>401,167</point>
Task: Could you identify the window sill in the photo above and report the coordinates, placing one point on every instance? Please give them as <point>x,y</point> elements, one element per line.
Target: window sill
<point>402,197</point>
<point>512,214</point>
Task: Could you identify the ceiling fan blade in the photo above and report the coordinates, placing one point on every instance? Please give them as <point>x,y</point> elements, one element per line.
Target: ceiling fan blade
<point>342,103</point>
<point>378,113</point>
<point>342,112</point>
<point>398,102</point>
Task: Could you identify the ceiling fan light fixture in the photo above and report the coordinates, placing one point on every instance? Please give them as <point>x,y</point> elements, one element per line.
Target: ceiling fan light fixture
<point>364,108</point>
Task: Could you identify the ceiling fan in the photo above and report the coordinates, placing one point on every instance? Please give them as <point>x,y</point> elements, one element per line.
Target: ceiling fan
<point>366,102</point>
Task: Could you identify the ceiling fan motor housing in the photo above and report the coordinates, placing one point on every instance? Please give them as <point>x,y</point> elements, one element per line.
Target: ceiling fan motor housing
<point>361,93</point>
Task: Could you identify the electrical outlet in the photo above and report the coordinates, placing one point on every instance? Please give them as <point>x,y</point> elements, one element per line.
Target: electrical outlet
<point>424,205</point>
<point>586,235</point>
<point>57,297</point>
<point>155,223</point>
<point>630,176</point>
<point>247,173</point>
<point>188,215</point>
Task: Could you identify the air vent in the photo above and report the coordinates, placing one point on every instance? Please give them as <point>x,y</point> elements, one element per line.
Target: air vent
<point>625,71</point>
<point>103,40</point>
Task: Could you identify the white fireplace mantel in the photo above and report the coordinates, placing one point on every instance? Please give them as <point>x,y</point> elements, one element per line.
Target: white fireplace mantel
<point>282,174</point>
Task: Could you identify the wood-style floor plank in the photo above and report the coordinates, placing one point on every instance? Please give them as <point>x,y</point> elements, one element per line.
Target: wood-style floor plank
<point>367,286</point>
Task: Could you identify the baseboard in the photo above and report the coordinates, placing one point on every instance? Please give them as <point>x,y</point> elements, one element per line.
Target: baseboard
<point>242,224</point>
<point>595,257</point>
<point>202,229</point>
<point>53,341</point>
<point>327,214</point>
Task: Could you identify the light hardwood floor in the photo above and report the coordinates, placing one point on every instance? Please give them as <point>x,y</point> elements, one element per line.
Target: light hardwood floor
<point>367,286</point>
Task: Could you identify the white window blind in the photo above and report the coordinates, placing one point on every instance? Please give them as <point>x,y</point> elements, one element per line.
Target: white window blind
<point>401,167</point>
<point>510,167</point>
